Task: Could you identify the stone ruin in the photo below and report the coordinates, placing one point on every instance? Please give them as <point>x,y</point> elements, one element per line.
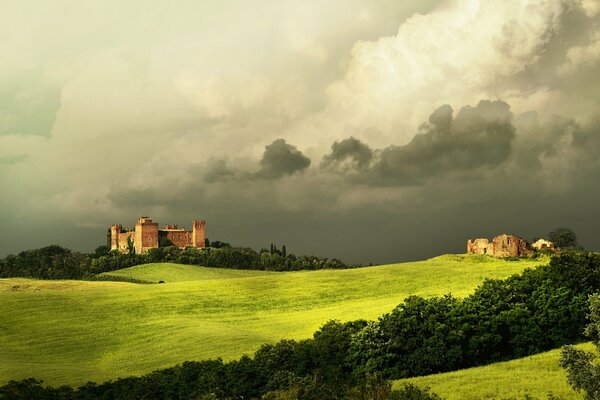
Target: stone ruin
<point>506,246</point>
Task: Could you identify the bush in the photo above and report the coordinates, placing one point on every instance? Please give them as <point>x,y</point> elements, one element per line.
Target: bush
<point>583,373</point>
<point>55,262</point>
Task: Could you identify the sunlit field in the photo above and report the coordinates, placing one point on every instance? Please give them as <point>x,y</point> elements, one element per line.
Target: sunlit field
<point>70,332</point>
<point>536,376</point>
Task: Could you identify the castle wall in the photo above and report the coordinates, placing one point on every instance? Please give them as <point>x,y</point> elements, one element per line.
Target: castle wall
<point>146,235</point>
<point>180,237</point>
<point>123,244</point>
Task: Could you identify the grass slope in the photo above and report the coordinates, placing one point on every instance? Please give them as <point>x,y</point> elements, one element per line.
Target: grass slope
<point>69,332</point>
<point>170,272</point>
<point>536,376</point>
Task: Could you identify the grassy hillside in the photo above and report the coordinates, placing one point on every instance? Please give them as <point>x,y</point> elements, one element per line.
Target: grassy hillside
<point>535,376</point>
<point>170,272</point>
<point>74,331</point>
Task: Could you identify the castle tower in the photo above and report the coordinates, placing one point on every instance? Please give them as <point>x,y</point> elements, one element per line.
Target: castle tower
<point>146,235</point>
<point>198,233</point>
<point>115,230</point>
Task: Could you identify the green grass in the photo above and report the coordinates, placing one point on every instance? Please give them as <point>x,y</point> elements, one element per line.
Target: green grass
<point>69,332</point>
<point>170,272</point>
<point>536,376</point>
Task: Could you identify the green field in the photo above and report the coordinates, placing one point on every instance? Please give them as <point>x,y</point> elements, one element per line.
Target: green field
<point>169,272</point>
<point>536,376</point>
<point>69,332</point>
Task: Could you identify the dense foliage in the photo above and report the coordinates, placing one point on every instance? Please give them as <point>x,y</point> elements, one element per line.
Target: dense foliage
<point>55,262</point>
<point>542,308</point>
<point>582,371</point>
<point>214,380</point>
<point>563,238</point>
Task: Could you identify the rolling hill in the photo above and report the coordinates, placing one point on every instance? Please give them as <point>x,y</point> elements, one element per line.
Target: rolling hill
<point>69,332</point>
<point>536,376</point>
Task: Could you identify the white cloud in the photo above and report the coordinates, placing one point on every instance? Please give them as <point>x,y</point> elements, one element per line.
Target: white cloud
<point>458,54</point>
<point>582,57</point>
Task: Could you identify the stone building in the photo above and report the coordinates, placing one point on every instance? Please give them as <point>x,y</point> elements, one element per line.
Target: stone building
<point>543,244</point>
<point>501,246</point>
<point>146,235</point>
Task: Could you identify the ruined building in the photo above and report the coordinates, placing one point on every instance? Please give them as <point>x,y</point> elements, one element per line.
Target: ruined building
<point>542,244</point>
<point>146,235</point>
<point>501,246</point>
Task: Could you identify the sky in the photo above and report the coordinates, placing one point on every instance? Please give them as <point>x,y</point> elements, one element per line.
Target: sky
<point>371,131</point>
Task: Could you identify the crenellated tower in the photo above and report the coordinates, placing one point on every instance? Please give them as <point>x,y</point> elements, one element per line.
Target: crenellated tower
<point>146,235</point>
<point>115,230</point>
<point>198,233</point>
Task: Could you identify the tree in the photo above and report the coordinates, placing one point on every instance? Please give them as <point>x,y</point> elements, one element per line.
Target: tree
<point>563,237</point>
<point>217,244</point>
<point>101,251</point>
<point>583,374</point>
<point>165,242</point>
<point>130,246</point>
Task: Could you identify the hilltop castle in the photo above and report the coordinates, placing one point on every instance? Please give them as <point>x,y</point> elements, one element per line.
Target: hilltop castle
<point>146,236</point>
<point>506,246</point>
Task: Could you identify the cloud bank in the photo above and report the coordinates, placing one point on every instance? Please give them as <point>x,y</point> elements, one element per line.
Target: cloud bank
<point>387,132</point>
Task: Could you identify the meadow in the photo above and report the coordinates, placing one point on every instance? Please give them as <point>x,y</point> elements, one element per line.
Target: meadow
<point>535,376</point>
<point>70,332</point>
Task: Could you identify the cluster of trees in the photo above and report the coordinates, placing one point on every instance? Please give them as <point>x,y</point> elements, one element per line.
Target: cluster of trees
<point>55,262</point>
<point>540,309</point>
<point>563,238</point>
<point>52,262</point>
<point>214,380</point>
<point>242,258</point>
<point>582,370</point>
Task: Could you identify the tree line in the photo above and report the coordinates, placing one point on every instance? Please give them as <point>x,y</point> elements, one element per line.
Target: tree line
<point>537,310</point>
<point>55,262</point>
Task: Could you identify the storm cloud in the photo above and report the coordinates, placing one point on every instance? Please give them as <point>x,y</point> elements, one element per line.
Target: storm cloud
<point>280,159</point>
<point>215,171</point>
<point>348,151</point>
<point>478,137</point>
<point>391,131</point>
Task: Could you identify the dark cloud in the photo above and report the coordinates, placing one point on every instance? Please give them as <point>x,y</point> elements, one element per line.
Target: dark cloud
<point>479,136</point>
<point>142,198</point>
<point>349,151</point>
<point>280,159</point>
<point>217,170</point>
<point>538,140</point>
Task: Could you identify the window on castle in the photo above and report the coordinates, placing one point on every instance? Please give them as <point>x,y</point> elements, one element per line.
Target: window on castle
<point>149,240</point>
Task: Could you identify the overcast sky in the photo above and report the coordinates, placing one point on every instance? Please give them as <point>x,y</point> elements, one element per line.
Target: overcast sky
<point>372,131</point>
